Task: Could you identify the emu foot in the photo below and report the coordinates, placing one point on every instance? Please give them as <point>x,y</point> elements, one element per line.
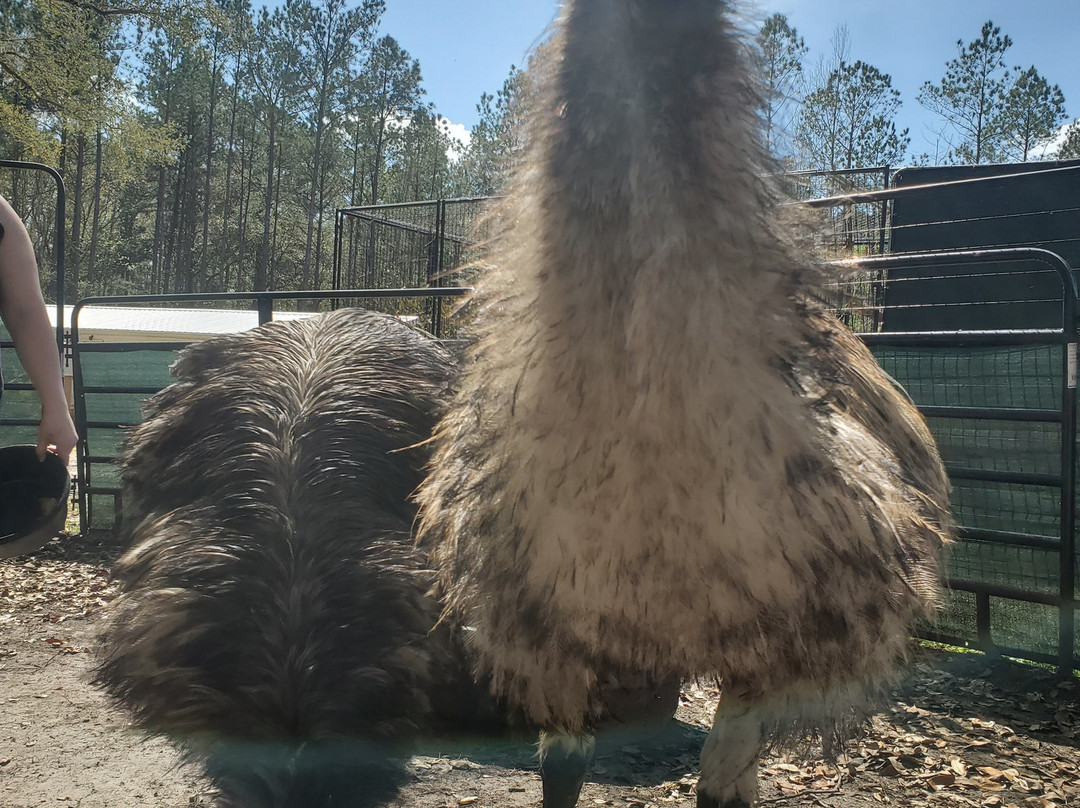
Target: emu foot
<point>563,764</point>
<point>729,759</point>
<point>709,801</point>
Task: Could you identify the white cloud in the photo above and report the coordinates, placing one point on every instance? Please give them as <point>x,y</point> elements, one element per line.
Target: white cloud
<point>459,133</point>
<point>461,136</point>
<point>1050,147</point>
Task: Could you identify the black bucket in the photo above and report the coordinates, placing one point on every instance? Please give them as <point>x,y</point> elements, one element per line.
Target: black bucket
<point>33,499</point>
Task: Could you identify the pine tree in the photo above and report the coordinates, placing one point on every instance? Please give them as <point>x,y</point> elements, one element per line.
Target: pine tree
<point>780,53</point>
<point>1070,147</point>
<point>1034,110</point>
<point>388,92</point>
<point>333,36</point>
<point>279,79</point>
<point>970,98</point>
<point>849,122</point>
<point>496,140</point>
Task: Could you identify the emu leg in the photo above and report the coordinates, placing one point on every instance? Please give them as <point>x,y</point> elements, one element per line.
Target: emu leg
<point>729,760</point>
<point>564,760</point>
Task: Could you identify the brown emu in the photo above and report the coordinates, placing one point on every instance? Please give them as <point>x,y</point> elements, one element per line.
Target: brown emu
<point>664,454</point>
<point>274,616</point>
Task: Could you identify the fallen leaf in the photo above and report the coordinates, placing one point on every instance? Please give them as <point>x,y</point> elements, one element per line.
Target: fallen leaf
<point>891,768</point>
<point>942,780</point>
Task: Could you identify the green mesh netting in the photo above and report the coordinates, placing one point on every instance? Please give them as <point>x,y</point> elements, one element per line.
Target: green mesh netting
<point>1026,377</point>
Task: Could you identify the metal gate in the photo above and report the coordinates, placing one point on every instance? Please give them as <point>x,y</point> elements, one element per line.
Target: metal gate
<point>1002,406</point>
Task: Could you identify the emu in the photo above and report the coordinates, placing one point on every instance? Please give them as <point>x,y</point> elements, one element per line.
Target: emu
<point>664,454</point>
<point>274,615</point>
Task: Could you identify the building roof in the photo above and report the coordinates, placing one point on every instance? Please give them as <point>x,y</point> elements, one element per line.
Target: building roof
<point>146,324</point>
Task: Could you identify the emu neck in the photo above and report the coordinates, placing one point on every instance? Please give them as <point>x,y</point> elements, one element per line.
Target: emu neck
<point>648,166</point>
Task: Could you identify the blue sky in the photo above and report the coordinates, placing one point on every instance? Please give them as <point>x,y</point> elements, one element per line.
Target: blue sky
<point>466,47</point>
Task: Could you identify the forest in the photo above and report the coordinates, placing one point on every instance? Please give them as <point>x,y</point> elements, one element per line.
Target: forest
<point>206,146</point>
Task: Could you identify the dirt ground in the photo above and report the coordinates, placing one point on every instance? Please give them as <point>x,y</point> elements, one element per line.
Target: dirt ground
<point>963,730</point>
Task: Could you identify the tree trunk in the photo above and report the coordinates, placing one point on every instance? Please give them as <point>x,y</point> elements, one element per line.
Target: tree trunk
<point>355,169</point>
<point>262,259</point>
<point>171,279</point>
<point>376,164</point>
<point>316,173</point>
<point>189,218</point>
<point>95,226</point>
<point>157,262</point>
<point>376,169</point>
<point>316,279</point>
<point>75,248</point>
<point>203,255</point>
<point>157,271</point>
<point>226,263</point>
<point>247,158</point>
<point>277,221</point>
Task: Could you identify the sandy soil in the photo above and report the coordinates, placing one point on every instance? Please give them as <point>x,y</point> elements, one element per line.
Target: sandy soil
<point>963,729</point>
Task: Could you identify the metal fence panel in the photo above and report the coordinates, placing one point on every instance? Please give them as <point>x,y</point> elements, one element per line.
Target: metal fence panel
<point>1002,406</point>
<point>1000,401</point>
<point>409,245</point>
<point>112,379</point>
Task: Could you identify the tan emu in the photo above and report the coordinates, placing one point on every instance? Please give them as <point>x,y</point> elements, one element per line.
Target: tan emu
<point>275,617</point>
<point>664,454</point>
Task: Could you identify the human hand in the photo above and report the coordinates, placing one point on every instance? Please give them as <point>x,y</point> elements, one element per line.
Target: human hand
<point>57,431</point>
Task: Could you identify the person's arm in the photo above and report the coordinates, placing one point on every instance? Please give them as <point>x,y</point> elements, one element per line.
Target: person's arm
<point>23,310</point>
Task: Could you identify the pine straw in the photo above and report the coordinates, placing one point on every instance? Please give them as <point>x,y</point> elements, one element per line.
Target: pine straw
<point>963,730</point>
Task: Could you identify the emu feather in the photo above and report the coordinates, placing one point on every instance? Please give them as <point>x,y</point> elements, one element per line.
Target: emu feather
<point>274,615</point>
<point>664,455</point>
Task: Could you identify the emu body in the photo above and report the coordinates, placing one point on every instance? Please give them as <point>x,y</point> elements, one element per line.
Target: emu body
<point>275,616</point>
<point>664,455</point>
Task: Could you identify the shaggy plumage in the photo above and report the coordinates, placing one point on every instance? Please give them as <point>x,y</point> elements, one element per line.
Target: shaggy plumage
<point>275,616</point>
<point>664,455</point>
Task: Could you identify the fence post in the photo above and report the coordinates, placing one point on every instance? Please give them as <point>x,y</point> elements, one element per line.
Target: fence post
<point>435,252</point>
<point>339,226</point>
<point>265,304</point>
<point>982,624</point>
<point>1067,584</point>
